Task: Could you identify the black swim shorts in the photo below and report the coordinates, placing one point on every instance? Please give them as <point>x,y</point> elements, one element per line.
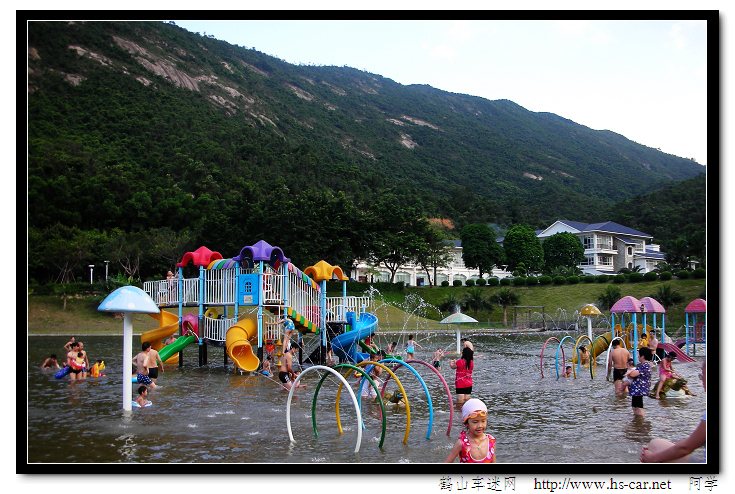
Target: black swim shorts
<point>637,402</point>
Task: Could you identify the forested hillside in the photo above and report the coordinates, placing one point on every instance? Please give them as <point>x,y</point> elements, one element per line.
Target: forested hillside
<point>141,132</point>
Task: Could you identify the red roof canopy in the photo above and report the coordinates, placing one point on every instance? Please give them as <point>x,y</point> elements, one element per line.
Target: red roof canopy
<point>200,257</point>
<point>651,305</point>
<point>698,305</point>
<point>626,304</point>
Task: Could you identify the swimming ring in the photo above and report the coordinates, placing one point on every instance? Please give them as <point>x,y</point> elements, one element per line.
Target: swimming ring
<point>136,405</point>
<point>64,371</point>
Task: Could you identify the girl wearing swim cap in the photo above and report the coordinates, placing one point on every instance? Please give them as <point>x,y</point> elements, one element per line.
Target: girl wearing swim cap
<point>473,445</point>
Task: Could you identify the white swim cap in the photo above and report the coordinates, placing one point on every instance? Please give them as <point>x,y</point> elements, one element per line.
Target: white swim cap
<point>472,405</point>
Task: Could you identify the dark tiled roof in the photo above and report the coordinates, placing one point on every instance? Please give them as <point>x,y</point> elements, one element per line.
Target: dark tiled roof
<point>612,227</point>
<point>575,224</point>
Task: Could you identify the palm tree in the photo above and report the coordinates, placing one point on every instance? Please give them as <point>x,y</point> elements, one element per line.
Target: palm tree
<point>667,296</point>
<point>505,297</point>
<point>450,303</point>
<point>608,298</point>
<point>663,266</point>
<point>474,299</point>
<point>677,253</point>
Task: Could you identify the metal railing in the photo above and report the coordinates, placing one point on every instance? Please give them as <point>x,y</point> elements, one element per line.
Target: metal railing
<point>219,286</point>
<point>166,292</point>
<point>216,329</point>
<point>337,307</point>
<point>272,289</point>
<point>303,298</point>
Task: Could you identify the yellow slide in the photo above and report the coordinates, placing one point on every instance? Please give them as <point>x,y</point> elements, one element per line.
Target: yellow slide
<point>238,346</point>
<point>168,324</point>
<point>602,343</point>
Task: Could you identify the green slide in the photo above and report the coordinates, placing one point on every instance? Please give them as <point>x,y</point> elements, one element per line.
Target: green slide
<point>176,346</point>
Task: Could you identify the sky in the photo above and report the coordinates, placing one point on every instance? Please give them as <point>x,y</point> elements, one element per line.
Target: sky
<point>645,80</point>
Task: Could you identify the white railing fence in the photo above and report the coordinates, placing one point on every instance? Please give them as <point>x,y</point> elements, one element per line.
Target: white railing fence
<point>337,307</point>
<point>303,298</point>
<point>216,329</point>
<point>166,292</point>
<point>219,286</point>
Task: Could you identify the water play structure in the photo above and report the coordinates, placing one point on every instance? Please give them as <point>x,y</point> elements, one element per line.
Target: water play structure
<point>241,300</point>
<point>628,334</point>
<point>255,291</point>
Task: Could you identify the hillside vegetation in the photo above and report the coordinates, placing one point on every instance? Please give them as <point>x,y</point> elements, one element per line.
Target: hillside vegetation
<point>137,127</point>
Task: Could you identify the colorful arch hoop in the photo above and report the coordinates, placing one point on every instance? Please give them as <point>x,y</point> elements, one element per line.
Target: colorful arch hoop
<point>579,361</point>
<point>446,388</point>
<point>423,385</point>
<point>381,392</point>
<point>562,352</point>
<point>349,368</point>
<point>593,369</point>
<point>339,376</point>
<point>563,361</point>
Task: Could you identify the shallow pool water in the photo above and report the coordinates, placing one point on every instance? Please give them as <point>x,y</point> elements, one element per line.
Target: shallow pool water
<point>213,414</point>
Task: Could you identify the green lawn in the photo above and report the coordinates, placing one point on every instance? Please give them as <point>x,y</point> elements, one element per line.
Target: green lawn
<point>47,316</point>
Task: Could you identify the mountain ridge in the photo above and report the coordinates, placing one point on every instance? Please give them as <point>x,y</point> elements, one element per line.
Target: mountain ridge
<point>201,99</point>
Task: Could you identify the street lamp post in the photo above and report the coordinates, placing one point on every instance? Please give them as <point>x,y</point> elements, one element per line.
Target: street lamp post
<point>91,271</point>
<point>107,265</point>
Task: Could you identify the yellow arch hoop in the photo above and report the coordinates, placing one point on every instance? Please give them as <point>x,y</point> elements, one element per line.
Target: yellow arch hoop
<point>400,386</point>
<point>210,311</point>
<point>579,363</point>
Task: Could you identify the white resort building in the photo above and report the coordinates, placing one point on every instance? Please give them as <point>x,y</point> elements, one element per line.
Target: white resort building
<point>608,247</point>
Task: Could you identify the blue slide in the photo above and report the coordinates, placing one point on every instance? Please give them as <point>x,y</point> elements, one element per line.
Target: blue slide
<point>345,345</point>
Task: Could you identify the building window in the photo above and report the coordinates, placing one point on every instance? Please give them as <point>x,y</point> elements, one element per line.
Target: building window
<point>458,260</point>
<point>588,260</point>
<point>640,247</point>
<point>630,251</point>
<point>404,277</point>
<point>605,242</point>
<point>605,260</point>
<point>588,241</point>
<point>630,265</point>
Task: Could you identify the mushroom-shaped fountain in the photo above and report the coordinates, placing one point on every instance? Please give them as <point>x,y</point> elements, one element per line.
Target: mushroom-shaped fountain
<point>457,318</point>
<point>588,311</point>
<point>128,299</point>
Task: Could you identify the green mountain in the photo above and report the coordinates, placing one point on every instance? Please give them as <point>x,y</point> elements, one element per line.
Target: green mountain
<point>142,125</point>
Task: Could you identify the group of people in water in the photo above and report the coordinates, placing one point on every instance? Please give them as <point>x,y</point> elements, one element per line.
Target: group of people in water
<point>635,380</point>
<point>76,362</point>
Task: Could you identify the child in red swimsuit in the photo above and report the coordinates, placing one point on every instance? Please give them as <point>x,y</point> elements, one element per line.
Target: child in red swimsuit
<point>473,445</point>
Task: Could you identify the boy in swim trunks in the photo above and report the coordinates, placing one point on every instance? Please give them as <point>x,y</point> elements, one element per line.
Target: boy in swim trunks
<point>436,358</point>
<point>287,375</point>
<point>618,363</point>
<point>141,362</point>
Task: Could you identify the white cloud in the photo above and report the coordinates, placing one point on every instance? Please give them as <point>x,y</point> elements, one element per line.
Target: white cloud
<point>443,51</point>
<point>460,31</point>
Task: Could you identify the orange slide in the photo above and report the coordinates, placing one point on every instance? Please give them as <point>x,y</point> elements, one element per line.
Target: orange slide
<point>238,341</point>
<point>168,324</point>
